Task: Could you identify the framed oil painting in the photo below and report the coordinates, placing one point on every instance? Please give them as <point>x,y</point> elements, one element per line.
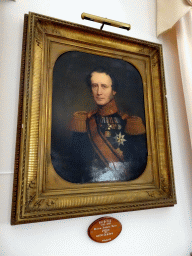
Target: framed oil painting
<point>93,135</point>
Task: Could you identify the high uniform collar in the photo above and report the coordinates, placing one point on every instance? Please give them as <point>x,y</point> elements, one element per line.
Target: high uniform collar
<point>108,109</point>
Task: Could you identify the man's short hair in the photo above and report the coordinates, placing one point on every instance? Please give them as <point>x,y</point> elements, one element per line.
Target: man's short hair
<point>107,72</point>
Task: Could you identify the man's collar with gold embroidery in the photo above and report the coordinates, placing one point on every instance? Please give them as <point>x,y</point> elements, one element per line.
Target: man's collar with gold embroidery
<point>106,110</point>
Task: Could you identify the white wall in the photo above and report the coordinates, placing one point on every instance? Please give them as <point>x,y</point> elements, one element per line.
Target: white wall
<point>164,231</point>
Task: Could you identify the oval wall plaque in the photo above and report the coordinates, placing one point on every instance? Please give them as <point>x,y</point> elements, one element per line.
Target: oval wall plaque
<point>104,229</point>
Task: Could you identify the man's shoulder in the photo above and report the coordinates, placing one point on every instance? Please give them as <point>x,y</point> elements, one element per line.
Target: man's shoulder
<point>79,119</point>
<point>78,122</point>
<point>82,115</point>
<point>134,124</point>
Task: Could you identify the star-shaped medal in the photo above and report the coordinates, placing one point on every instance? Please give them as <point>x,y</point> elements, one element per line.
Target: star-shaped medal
<point>120,139</point>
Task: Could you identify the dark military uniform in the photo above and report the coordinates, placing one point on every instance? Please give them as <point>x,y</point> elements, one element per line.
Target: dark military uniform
<point>106,145</point>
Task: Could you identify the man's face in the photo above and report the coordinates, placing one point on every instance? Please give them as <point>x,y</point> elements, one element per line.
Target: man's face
<point>101,85</point>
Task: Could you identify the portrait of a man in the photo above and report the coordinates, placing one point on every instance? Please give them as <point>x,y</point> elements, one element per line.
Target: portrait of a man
<point>103,143</point>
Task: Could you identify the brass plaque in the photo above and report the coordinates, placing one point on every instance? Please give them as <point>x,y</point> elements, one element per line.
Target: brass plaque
<point>104,229</point>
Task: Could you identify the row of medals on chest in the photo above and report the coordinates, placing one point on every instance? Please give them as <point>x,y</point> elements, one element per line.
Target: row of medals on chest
<point>111,124</point>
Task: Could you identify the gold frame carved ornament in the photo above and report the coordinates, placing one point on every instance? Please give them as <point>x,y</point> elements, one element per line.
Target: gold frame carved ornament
<point>39,193</point>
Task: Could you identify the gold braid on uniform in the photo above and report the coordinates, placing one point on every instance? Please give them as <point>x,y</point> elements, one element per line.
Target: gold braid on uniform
<point>78,122</point>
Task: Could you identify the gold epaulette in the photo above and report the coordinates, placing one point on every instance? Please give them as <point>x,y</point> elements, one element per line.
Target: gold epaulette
<point>134,125</point>
<point>78,122</point>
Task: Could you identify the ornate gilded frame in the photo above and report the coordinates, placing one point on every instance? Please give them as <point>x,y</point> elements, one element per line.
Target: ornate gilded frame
<point>45,39</point>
